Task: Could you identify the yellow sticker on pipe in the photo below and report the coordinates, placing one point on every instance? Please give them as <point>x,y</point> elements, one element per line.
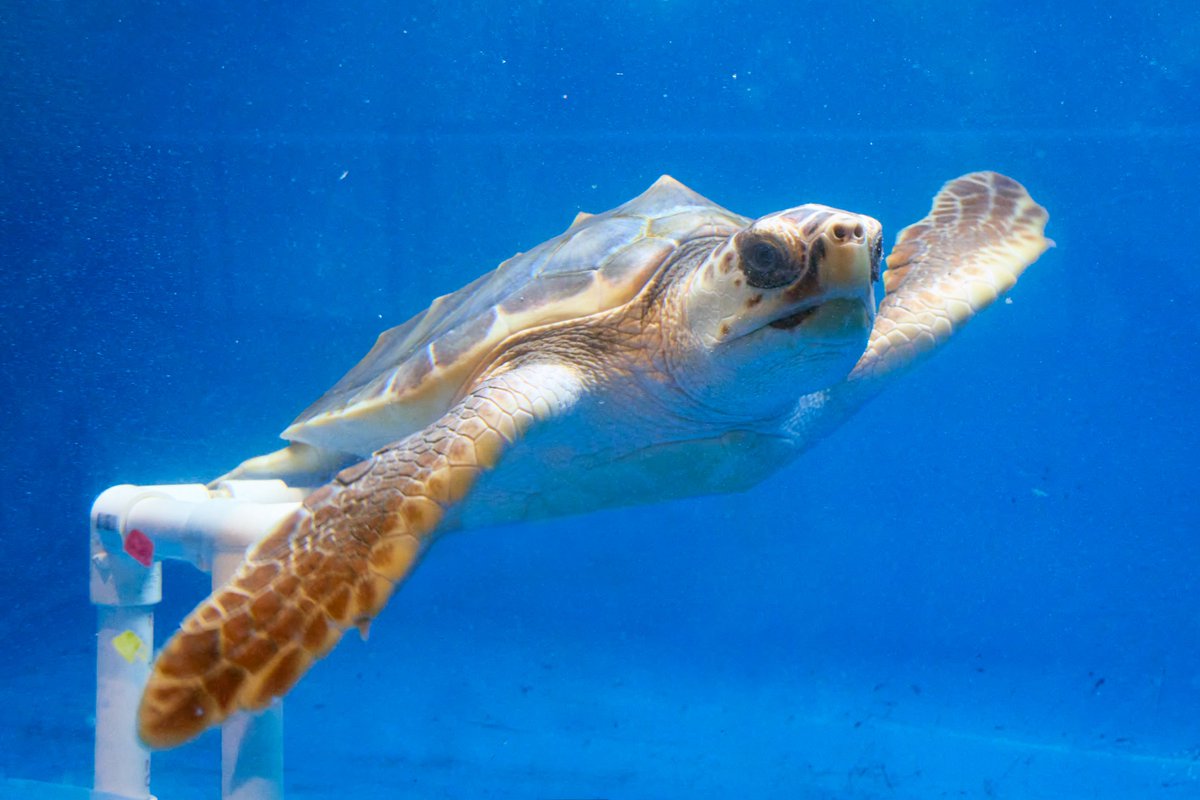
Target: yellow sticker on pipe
<point>131,647</point>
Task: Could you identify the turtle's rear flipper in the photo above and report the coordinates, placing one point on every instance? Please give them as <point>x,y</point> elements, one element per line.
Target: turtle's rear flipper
<point>334,562</point>
<point>983,231</point>
<point>298,464</point>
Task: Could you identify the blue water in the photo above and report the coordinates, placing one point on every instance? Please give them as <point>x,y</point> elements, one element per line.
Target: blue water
<point>984,586</point>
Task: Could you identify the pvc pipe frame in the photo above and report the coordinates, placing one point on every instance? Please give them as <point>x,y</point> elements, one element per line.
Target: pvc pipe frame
<point>132,529</point>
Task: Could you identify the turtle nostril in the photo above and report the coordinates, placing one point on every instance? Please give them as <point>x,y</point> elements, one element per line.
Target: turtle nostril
<point>859,231</point>
<point>839,232</point>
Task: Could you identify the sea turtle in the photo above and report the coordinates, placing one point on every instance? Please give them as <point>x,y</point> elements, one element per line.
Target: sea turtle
<point>662,349</point>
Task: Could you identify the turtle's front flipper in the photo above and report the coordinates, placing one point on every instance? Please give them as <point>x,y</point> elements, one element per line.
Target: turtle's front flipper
<point>983,231</point>
<point>334,563</point>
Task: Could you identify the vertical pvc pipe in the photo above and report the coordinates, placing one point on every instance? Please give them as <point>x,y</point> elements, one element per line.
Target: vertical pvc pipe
<point>125,593</point>
<point>251,744</point>
<point>122,668</point>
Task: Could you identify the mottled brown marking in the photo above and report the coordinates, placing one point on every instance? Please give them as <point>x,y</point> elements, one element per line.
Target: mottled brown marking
<point>437,488</point>
<point>475,426</point>
<point>383,554</point>
<point>210,614</point>
<point>258,578</point>
<point>231,600</point>
<point>223,686</point>
<point>381,591</point>
<point>421,513</point>
<point>812,225</point>
<point>287,585</point>
<point>326,514</point>
<point>197,653</point>
<point>184,707</point>
<point>305,564</point>
<point>316,635</point>
<point>337,604</point>
<point>254,654</point>
<point>238,628</point>
<point>365,597</point>
<point>277,546</point>
<point>460,480</point>
<point>462,453</point>
<point>320,495</point>
<point>322,587</point>
<point>265,607</point>
<point>353,473</point>
<point>287,625</point>
<point>283,675</point>
<point>809,284</point>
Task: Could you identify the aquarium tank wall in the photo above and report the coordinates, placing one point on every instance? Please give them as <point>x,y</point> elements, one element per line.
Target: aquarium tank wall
<point>982,585</point>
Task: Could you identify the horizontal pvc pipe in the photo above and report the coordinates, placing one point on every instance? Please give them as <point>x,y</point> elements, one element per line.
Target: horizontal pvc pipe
<point>195,531</point>
<point>189,521</point>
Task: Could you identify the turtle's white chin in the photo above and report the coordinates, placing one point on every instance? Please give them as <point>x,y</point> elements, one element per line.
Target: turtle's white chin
<point>802,352</point>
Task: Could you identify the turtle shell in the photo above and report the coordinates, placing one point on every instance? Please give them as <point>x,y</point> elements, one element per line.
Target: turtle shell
<point>418,369</point>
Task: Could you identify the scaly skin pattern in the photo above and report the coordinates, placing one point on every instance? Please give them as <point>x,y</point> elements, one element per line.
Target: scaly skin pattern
<point>334,562</point>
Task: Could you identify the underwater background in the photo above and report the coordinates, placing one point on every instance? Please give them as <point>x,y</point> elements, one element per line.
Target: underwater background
<point>985,585</point>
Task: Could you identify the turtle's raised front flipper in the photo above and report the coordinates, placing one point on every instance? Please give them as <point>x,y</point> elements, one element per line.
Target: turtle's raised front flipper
<point>983,231</point>
<point>334,563</point>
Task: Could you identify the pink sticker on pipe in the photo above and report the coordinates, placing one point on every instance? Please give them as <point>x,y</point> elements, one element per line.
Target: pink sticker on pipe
<point>139,547</point>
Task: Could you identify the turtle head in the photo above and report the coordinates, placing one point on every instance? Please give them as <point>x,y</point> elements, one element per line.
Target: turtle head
<point>781,308</point>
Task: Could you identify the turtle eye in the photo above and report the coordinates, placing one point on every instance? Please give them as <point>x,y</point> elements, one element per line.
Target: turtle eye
<point>764,257</point>
<point>765,264</point>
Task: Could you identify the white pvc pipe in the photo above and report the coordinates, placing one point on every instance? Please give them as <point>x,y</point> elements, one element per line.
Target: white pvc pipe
<point>123,644</point>
<point>190,522</point>
<point>195,532</point>
<point>211,529</point>
<point>125,593</point>
<point>251,744</point>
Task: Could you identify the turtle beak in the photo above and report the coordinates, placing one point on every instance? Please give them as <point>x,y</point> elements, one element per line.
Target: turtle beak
<point>846,257</point>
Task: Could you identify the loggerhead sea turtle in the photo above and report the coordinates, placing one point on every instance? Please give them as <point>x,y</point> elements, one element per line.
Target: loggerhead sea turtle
<point>663,349</point>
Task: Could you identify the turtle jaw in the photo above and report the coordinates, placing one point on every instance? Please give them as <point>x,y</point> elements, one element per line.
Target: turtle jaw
<point>848,316</point>
<point>793,319</point>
